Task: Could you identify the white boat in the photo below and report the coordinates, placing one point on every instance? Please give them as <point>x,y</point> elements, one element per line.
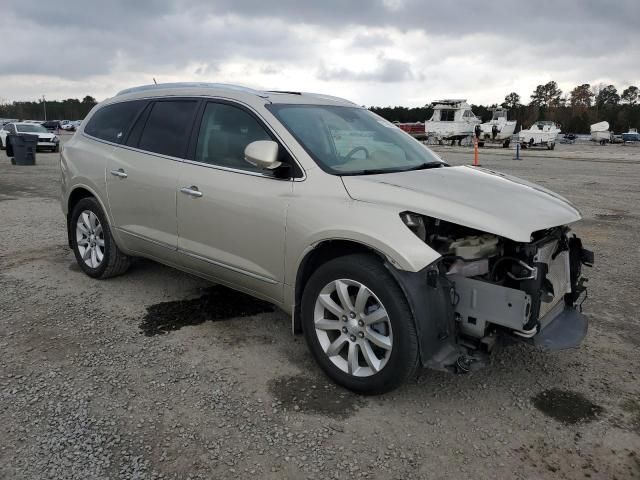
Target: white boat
<point>600,132</point>
<point>451,120</point>
<point>541,133</point>
<point>497,130</point>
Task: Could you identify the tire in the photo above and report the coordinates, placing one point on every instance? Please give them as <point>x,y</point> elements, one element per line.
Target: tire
<point>56,149</point>
<point>9,148</point>
<point>113,261</point>
<point>393,365</point>
<point>1,144</point>
<point>506,144</point>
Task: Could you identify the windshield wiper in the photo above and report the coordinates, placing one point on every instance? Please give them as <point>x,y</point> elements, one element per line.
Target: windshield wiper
<point>374,171</point>
<point>424,166</point>
<point>370,171</point>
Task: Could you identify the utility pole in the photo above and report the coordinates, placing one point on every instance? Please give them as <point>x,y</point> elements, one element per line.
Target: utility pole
<point>44,105</point>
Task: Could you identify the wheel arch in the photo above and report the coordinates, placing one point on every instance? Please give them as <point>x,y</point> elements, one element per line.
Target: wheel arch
<point>323,252</point>
<point>77,193</point>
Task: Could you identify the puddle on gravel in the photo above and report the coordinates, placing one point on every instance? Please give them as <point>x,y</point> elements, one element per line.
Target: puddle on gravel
<point>314,395</point>
<point>566,406</point>
<point>217,303</point>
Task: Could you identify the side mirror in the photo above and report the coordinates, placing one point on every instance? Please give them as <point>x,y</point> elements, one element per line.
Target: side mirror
<point>262,154</point>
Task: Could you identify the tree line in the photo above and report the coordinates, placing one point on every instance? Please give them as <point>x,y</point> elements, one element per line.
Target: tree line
<point>69,109</point>
<point>575,111</point>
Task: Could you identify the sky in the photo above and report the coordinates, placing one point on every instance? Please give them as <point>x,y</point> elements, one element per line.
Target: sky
<point>373,52</point>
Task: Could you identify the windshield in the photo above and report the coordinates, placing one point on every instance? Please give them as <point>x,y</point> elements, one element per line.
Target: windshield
<point>31,128</point>
<point>353,141</point>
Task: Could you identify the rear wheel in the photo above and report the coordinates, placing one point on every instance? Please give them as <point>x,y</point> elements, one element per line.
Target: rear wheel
<point>92,242</point>
<point>358,325</point>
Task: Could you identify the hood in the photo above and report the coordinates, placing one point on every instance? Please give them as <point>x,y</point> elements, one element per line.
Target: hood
<point>40,135</point>
<point>473,197</point>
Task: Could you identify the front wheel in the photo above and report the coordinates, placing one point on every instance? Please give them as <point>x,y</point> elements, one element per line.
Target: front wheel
<point>358,325</point>
<point>93,245</point>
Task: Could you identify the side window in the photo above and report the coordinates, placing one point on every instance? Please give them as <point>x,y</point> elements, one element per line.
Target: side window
<point>111,122</point>
<point>168,127</point>
<point>136,130</point>
<point>224,133</point>
<point>447,115</point>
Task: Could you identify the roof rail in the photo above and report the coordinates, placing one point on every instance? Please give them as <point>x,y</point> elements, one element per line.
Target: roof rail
<point>330,97</point>
<point>224,86</point>
<point>284,92</point>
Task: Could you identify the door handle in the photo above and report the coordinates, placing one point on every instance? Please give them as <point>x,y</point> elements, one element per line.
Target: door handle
<point>192,190</point>
<point>119,173</point>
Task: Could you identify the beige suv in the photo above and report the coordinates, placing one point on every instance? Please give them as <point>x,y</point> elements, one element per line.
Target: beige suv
<point>386,258</point>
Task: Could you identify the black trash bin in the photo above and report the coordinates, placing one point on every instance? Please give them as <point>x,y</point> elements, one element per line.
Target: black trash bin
<point>22,148</point>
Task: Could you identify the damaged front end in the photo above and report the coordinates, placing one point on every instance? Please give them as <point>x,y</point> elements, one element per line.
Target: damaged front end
<point>486,289</point>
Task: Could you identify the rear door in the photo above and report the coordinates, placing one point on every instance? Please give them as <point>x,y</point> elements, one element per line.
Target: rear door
<point>142,176</point>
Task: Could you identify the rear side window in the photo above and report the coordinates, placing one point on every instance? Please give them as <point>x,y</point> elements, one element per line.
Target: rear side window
<point>110,123</point>
<point>168,127</point>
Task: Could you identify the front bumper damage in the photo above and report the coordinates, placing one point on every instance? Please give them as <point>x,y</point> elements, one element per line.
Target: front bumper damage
<point>459,320</point>
<point>564,328</point>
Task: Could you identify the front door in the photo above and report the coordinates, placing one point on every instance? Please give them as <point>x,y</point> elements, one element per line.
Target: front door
<point>231,215</point>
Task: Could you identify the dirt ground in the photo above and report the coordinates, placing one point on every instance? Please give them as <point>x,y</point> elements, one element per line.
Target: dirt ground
<point>157,374</point>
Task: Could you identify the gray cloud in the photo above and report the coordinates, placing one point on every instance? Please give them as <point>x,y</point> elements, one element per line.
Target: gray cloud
<point>105,43</point>
<point>387,71</point>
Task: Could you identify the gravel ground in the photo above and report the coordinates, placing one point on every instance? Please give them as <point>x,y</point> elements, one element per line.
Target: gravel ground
<point>158,374</point>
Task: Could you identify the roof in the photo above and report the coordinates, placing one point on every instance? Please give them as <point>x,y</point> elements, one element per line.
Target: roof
<point>450,103</point>
<point>238,92</point>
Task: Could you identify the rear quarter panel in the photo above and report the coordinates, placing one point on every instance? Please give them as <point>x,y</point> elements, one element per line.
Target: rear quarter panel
<point>82,163</point>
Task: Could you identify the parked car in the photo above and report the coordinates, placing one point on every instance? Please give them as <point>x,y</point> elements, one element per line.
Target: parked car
<point>51,125</point>
<point>386,257</point>
<point>70,126</point>
<point>46,140</point>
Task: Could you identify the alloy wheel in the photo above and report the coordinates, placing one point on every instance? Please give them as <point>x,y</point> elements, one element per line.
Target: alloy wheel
<point>353,327</point>
<point>90,239</point>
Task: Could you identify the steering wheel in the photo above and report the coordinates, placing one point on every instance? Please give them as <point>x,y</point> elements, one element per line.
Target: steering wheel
<point>357,149</point>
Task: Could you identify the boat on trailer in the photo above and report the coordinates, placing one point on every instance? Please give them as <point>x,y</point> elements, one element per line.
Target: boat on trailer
<point>600,133</point>
<point>543,133</point>
<point>452,119</point>
<point>497,130</point>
